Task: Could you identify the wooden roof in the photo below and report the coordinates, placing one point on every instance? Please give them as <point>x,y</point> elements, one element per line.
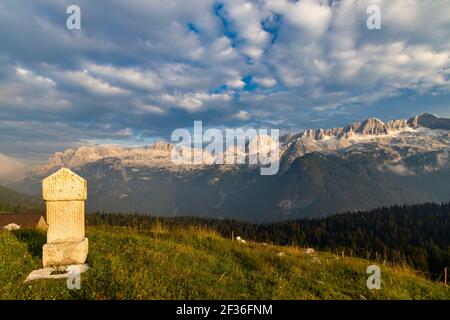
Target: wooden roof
<point>22,219</point>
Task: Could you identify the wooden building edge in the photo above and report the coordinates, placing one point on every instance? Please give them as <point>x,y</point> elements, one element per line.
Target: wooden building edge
<point>24,220</point>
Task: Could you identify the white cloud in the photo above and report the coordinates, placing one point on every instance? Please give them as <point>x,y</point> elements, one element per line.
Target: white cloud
<point>246,17</point>
<point>265,81</point>
<point>397,168</point>
<point>236,83</point>
<point>132,76</point>
<point>311,16</point>
<point>222,50</point>
<point>29,76</point>
<point>194,102</point>
<point>442,159</point>
<point>11,169</point>
<point>241,115</point>
<point>144,108</point>
<point>27,90</point>
<point>91,83</point>
<point>441,162</point>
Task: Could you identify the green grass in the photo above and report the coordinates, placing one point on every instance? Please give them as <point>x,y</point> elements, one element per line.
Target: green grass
<point>127,263</point>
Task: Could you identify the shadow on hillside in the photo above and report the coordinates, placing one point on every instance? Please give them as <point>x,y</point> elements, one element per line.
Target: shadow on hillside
<point>34,239</point>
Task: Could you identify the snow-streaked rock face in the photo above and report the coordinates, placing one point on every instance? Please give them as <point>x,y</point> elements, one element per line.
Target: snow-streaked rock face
<point>397,137</point>
<point>156,155</point>
<point>397,125</point>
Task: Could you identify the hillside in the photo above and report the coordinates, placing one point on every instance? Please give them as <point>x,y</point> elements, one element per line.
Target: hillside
<point>13,201</point>
<point>416,234</point>
<point>194,263</point>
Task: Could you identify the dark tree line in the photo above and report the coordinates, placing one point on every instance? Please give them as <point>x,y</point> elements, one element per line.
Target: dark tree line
<point>417,235</point>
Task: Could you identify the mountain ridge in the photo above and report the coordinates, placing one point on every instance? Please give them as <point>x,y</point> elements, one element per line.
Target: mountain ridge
<point>365,165</point>
<point>158,154</point>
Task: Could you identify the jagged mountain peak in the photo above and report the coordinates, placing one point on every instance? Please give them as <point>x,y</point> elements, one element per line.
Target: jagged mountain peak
<point>368,127</point>
<point>372,126</point>
<point>429,120</point>
<point>397,125</point>
<point>161,145</point>
<point>427,115</point>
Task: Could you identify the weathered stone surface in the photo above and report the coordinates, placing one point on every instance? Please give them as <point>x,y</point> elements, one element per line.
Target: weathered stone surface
<point>64,185</point>
<point>65,253</point>
<point>65,193</point>
<point>65,221</point>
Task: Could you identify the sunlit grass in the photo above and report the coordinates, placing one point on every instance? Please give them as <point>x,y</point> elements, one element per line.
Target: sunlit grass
<point>197,263</point>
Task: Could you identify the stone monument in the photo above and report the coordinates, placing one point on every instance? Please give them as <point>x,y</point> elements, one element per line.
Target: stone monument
<point>65,194</point>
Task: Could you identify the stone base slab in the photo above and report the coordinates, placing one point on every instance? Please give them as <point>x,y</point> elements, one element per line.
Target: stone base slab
<point>46,273</point>
<point>65,253</point>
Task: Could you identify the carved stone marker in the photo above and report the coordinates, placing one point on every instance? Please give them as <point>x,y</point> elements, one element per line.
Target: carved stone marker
<point>64,194</point>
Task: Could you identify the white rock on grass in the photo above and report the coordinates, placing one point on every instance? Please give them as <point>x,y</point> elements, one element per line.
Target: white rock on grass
<point>11,227</point>
<point>239,239</point>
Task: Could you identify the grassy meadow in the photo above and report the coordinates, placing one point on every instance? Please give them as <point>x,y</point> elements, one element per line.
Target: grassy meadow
<point>196,263</point>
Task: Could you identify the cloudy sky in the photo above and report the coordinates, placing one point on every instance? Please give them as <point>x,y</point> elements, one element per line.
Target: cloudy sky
<point>138,69</point>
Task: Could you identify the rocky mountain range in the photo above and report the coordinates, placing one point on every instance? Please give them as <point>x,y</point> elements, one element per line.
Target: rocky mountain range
<point>325,171</point>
